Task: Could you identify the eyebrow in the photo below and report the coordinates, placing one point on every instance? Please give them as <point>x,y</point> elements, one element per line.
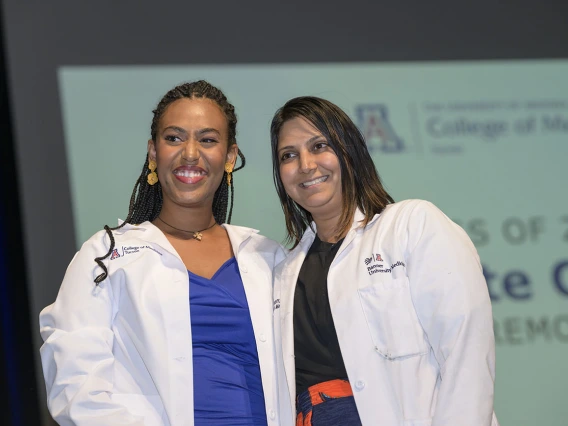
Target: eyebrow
<point>207,130</point>
<point>177,129</point>
<point>310,140</point>
<point>197,132</point>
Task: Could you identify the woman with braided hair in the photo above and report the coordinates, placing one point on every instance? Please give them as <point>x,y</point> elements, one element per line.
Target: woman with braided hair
<point>166,319</point>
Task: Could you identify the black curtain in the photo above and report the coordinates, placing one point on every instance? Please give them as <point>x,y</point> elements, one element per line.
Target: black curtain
<point>18,386</point>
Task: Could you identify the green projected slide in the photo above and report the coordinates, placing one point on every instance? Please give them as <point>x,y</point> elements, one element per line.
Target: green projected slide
<point>485,141</point>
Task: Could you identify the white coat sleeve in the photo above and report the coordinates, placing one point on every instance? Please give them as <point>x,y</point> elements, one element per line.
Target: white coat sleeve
<point>451,299</point>
<point>77,355</point>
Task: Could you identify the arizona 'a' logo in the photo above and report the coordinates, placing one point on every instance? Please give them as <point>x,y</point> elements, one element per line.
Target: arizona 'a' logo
<point>374,123</point>
<point>114,254</point>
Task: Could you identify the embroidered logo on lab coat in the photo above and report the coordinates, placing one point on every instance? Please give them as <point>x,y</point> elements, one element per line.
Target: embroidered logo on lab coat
<point>131,250</point>
<point>115,254</point>
<point>374,258</point>
<point>374,264</point>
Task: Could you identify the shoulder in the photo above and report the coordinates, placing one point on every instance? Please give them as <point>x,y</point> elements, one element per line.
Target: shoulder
<point>259,241</point>
<point>269,247</point>
<point>83,264</point>
<point>411,207</point>
<point>99,244</point>
<point>411,220</point>
<point>413,213</point>
<point>102,239</point>
<point>423,213</point>
<point>268,243</point>
<point>420,221</point>
<point>248,244</point>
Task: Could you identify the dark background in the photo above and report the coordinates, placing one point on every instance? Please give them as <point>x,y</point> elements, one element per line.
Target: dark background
<point>37,238</point>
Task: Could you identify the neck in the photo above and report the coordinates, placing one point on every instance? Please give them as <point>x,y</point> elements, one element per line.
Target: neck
<point>327,227</point>
<point>186,218</point>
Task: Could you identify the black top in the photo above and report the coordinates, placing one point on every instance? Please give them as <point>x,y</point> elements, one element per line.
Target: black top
<point>318,357</point>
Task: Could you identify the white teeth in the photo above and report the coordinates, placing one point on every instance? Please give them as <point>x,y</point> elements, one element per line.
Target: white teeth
<point>314,182</point>
<point>188,173</point>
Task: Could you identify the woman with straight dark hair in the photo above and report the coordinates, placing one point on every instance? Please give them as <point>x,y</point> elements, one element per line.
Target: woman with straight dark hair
<point>165,320</point>
<point>382,313</point>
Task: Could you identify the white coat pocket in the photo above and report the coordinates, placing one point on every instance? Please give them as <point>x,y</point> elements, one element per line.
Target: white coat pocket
<point>392,321</point>
<point>149,407</point>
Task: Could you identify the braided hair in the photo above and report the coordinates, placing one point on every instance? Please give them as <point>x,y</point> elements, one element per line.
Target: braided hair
<point>146,200</point>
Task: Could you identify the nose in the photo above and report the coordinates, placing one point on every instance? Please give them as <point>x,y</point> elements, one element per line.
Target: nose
<point>190,151</point>
<point>307,163</point>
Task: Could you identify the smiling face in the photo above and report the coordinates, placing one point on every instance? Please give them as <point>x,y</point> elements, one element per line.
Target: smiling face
<point>309,168</point>
<point>191,149</point>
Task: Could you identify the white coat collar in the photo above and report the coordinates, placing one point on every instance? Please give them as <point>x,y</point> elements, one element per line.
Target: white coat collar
<point>310,233</point>
<point>149,233</point>
<point>238,235</point>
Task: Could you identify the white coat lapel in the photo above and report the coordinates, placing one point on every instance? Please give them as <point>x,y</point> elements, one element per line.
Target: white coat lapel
<point>256,275</point>
<point>287,284</point>
<point>256,281</point>
<point>171,363</point>
<point>286,281</point>
<point>355,229</point>
<point>238,236</point>
<point>174,301</point>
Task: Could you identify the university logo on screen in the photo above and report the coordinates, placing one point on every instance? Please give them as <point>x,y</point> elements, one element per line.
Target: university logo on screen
<point>373,121</point>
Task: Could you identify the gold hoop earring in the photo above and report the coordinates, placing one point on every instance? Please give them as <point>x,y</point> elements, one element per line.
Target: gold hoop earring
<point>229,170</point>
<point>152,176</point>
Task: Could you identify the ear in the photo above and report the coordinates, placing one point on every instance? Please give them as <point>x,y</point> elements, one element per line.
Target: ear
<point>232,154</point>
<point>151,150</point>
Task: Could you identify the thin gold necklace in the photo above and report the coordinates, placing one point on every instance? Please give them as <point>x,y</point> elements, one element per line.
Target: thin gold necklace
<point>197,235</point>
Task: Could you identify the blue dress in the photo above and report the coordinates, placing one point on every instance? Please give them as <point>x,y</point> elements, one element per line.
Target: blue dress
<point>227,384</point>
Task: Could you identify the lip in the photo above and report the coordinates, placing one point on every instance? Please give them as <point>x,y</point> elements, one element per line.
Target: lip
<point>319,180</point>
<point>189,174</point>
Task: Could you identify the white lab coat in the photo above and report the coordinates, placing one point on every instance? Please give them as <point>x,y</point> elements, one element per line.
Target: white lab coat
<point>413,319</point>
<point>121,353</point>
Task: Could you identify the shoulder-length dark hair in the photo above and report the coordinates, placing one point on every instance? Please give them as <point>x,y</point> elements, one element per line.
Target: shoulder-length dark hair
<point>360,182</point>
